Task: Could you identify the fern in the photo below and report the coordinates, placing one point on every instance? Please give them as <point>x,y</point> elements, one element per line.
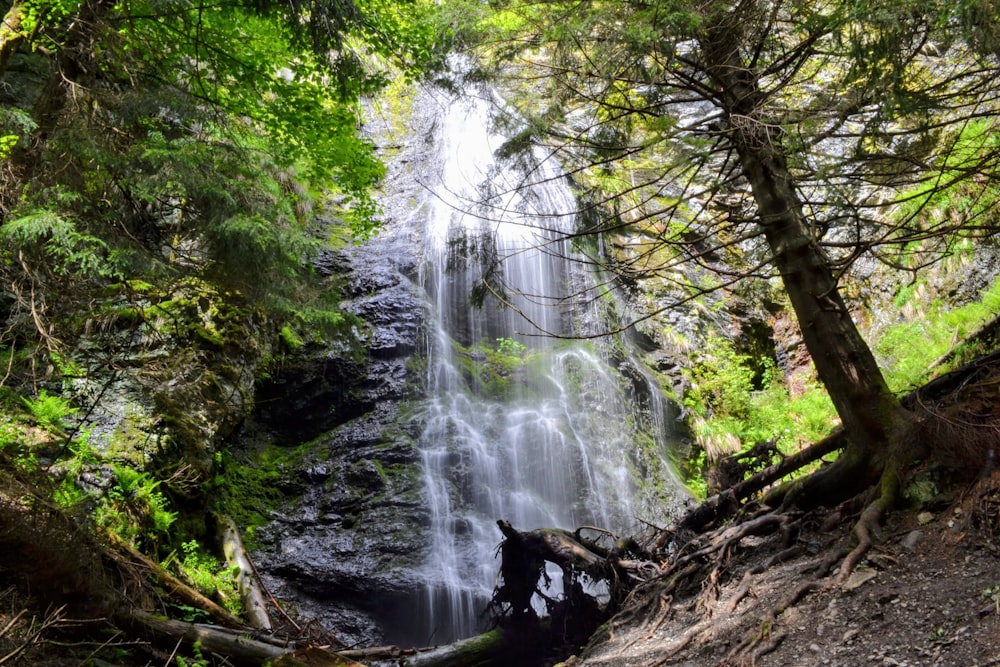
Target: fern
<point>45,233</point>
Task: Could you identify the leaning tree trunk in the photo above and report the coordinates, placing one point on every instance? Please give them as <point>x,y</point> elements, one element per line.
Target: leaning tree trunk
<point>843,361</point>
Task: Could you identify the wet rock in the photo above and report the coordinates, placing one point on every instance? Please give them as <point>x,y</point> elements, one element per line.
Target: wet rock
<point>324,387</point>
<point>348,545</point>
<point>355,538</point>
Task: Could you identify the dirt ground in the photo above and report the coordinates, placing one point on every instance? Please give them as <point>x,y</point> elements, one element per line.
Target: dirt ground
<point>928,594</point>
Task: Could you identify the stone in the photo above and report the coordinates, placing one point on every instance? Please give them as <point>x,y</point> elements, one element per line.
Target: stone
<point>858,578</point>
<point>911,539</point>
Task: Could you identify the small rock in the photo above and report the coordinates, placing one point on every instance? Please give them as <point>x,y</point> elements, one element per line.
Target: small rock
<point>912,538</point>
<point>924,518</point>
<point>858,577</point>
<point>850,634</point>
<point>815,648</point>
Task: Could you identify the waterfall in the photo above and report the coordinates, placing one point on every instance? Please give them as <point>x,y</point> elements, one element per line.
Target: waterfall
<point>539,430</point>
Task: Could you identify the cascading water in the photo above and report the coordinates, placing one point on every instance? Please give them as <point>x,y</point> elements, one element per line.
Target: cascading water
<point>538,430</point>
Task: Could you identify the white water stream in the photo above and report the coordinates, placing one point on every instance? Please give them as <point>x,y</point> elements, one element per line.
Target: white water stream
<point>540,431</point>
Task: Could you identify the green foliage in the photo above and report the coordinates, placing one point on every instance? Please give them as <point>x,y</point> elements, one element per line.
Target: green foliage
<point>491,369</point>
<point>7,143</point>
<point>908,350</point>
<point>52,240</point>
<point>722,381</point>
<point>314,318</point>
<point>68,493</point>
<point>16,126</point>
<point>196,310</point>
<point>206,574</point>
<point>509,347</point>
<point>41,13</point>
<point>211,137</point>
<point>735,413</point>
<point>248,490</point>
<point>135,509</point>
<point>49,410</point>
<point>197,658</point>
<point>10,436</point>
<point>290,339</point>
<point>306,127</point>
<point>946,208</point>
<point>693,468</point>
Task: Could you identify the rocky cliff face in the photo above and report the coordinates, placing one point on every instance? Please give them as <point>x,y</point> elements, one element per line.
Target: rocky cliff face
<point>345,537</point>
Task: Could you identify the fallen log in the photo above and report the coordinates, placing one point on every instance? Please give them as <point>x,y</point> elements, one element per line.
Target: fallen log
<point>237,648</point>
<point>175,586</point>
<point>727,502</point>
<point>375,653</point>
<point>254,604</point>
<point>484,649</point>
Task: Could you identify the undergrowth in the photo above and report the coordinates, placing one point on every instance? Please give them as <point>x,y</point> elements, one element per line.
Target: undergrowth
<point>735,406</point>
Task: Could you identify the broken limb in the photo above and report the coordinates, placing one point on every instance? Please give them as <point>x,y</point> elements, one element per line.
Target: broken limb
<point>523,558</point>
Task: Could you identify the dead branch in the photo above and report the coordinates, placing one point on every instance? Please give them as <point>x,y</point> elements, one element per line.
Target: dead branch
<point>52,618</point>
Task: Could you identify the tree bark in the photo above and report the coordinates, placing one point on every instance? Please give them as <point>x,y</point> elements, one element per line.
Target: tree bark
<point>238,648</point>
<point>485,649</point>
<point>844,363</point>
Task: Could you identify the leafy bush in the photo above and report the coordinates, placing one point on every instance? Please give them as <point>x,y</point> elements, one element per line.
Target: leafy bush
<point>51,239</point>
<point>721,381</point>
<point>732,414</point>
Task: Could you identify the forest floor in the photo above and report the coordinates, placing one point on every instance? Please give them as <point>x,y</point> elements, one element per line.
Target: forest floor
<point>927,594</point>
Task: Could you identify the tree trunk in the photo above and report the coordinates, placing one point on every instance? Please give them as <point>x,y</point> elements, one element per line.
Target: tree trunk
<point>844,363</point>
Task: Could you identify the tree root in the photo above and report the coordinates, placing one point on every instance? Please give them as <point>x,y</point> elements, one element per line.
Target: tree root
<point>870,522</point>
<point>727,502</point>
